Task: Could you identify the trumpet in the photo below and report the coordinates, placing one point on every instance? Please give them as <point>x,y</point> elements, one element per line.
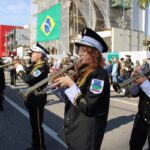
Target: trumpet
<point>11,64</point>
<point>129,82</point>
<point>7,65</point>
<point>25,92</point>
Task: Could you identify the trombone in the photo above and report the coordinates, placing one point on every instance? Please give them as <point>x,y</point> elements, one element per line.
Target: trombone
<point>129,82</point>
<point>25,92</point>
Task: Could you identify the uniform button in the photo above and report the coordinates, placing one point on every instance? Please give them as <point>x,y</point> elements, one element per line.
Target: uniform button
<point>147,102</point>
<point>66,129</point>
<point>68,119</point>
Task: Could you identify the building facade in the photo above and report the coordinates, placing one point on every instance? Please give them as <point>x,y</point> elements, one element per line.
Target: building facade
<point>4,29</point>
<point>17,38</point>
<point>100,15</point>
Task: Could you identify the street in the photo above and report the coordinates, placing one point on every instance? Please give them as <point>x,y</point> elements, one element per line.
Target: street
<point>16,132</point>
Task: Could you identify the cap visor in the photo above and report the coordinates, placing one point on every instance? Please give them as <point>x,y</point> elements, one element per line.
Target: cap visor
<point>34,51</point>
<point>83,43</point>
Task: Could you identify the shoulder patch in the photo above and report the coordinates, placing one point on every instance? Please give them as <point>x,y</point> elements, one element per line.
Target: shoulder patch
<point>96,86</point>
<point>36,73</point>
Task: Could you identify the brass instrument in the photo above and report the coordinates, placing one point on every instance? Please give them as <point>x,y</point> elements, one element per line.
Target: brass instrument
<point>34,88</point>
<point>129,82</point>
<point>7,65</point>
<point>11,64</point>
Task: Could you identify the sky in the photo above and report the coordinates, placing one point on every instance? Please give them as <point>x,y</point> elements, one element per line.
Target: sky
<point>15,12</point>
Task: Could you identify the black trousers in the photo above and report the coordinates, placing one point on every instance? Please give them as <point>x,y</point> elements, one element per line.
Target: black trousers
<point>139,134</point>
<point>127,76</point>
<point>13,76</point>
<point>36,120</point>
<point>1,99</point>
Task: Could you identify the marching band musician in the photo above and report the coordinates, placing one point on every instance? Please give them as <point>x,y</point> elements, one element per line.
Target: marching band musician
<point>141,127</point>
<point>12,72</point>
<point>128,68</point>
<point>29,65</point>
<point>35,103</point>
<point>87,96</point>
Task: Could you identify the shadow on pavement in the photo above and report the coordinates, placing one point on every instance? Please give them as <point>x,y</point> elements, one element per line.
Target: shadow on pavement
<point>117,122</point>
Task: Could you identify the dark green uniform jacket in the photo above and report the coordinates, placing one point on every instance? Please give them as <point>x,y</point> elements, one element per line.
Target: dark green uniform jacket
<point>85,123</point>
<point>38,73</point>
<point>2,78</point>
<point>144,103</point>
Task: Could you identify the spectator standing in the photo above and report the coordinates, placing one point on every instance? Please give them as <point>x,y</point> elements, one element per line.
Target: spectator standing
<point>109,67</point>
<point>145,65</point>
<point>129,67</point>
<point>122,70</point>
<point>115,71</point>
<point>137,64</point>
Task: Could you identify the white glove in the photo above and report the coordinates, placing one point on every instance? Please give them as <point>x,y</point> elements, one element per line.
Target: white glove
<point>72,92</point>
<point>127,69</point>
<point>19,68</point>
<point>145,87</point>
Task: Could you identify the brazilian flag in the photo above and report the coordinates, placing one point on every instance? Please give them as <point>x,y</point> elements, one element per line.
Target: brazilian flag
<point>48,24</point>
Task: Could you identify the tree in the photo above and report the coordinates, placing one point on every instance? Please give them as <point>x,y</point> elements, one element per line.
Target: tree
<point>144,3</point>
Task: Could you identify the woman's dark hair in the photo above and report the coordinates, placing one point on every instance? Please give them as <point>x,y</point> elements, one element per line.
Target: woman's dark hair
<point>97,61</point>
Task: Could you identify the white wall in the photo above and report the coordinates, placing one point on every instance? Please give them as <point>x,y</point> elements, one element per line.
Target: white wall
<point>136,55</point>
<point>126,40</point>
<point>138,17</point>
<point>20,52</point>
<point>147,21</point>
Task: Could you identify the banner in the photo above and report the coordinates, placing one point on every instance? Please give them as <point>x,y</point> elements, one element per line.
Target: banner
<point>126,4</point>
<point>48,24</point>
<point>111,56</point>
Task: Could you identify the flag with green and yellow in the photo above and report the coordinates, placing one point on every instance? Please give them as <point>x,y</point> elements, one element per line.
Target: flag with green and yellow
<point>48,24</point>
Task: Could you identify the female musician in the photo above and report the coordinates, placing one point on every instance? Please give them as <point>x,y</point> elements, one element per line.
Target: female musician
<point>87,102</point>
<point>35,103</point>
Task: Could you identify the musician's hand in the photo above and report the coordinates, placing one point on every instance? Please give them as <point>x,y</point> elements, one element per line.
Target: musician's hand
<point>126,69</point>
<point>63,82</point>
<point>16,64</point>
<point>134,73</point>
<point>53,71</point>
<point>19,67</point>
<point>140,80</point>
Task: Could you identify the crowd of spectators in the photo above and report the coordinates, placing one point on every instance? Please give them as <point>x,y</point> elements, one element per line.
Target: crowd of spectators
<point>121,69</point>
